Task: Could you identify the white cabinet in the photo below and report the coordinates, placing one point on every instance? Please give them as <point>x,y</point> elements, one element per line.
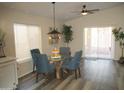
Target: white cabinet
<point>8,73</point>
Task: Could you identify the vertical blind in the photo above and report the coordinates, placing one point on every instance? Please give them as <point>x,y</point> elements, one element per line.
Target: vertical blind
<point>27,37</point>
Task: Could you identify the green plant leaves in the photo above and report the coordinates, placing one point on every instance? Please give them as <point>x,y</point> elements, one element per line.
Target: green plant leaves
<point>2,36</point>
<point>117,33</point>
<point>67,33</point>
<point>119,36</point>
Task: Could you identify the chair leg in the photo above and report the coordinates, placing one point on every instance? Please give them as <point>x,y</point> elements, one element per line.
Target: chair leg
<point>79,72</point>
<point>33,67</point>
<point>55,73</point>
<point>76,73</point>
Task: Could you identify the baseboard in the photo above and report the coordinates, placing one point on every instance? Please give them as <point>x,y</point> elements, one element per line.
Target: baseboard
<point>24,67</point>
<point>95,58</point>
<point>28,74</point>
<point>25,74</point>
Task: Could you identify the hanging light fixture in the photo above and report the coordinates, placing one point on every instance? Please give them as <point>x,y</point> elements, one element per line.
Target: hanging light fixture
<point>54,34</point>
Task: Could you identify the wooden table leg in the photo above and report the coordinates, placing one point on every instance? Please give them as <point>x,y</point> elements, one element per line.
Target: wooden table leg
<point>58,70</point>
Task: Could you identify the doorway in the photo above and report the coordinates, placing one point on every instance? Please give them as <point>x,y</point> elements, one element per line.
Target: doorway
<point>98,42</point>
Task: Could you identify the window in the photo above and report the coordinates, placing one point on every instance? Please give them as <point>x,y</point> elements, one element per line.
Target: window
<point>27,37</point>
<point>98,42</point>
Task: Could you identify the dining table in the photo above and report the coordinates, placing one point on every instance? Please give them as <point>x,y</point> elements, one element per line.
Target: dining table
<point>58,64</point>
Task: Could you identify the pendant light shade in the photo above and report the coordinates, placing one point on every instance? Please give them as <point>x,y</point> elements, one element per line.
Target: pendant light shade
<point>54,31</point>
<point>54,35</point>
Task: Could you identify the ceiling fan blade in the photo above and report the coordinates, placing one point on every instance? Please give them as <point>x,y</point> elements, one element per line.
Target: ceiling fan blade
<point>90,12</point>
<point>75,11</point>
<point>94,10</point>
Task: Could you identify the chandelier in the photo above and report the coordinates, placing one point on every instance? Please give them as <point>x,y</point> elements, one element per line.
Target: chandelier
<point>54,34</point>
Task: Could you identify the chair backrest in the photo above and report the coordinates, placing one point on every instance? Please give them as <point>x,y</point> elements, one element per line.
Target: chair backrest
<point>33,52</point>
<point>42,63</point>
<point>65,51</point>
<point>78,55</point>
<point>76,59</point>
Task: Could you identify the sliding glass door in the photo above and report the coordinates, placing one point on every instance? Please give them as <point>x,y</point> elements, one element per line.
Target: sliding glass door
<point>97,42</point>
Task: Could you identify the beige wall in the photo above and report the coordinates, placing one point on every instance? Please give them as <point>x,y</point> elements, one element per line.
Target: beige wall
<point>110,17</point>
<point>8,18</point>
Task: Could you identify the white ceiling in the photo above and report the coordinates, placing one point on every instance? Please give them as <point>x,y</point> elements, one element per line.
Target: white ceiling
<point>64,10</point>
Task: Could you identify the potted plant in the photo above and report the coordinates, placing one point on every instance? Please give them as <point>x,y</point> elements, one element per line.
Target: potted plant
<point>2,43</point>
<point>119,36</point>
<point>2,37</point>
<point>67,34</point>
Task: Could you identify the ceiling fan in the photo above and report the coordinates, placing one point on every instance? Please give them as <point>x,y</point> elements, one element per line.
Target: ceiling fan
<point>85,11</point>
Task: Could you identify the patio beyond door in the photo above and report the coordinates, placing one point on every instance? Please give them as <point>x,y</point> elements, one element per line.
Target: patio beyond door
<point>98,42</point>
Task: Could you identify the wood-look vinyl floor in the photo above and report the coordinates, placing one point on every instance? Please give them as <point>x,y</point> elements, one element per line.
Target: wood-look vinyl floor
<point>96,74</point>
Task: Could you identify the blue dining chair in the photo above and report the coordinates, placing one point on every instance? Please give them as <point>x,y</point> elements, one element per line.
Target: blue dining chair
<point>65,54</point>
<point>42,64</point>
<point>33,51</point>
<point>74,63</point>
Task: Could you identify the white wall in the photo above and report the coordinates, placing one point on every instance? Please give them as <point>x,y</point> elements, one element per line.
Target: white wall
<point>109,17</point>
<point>9,17</point>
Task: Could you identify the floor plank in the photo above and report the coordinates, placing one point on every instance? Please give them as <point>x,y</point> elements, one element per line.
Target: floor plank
<point>96,74</point>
